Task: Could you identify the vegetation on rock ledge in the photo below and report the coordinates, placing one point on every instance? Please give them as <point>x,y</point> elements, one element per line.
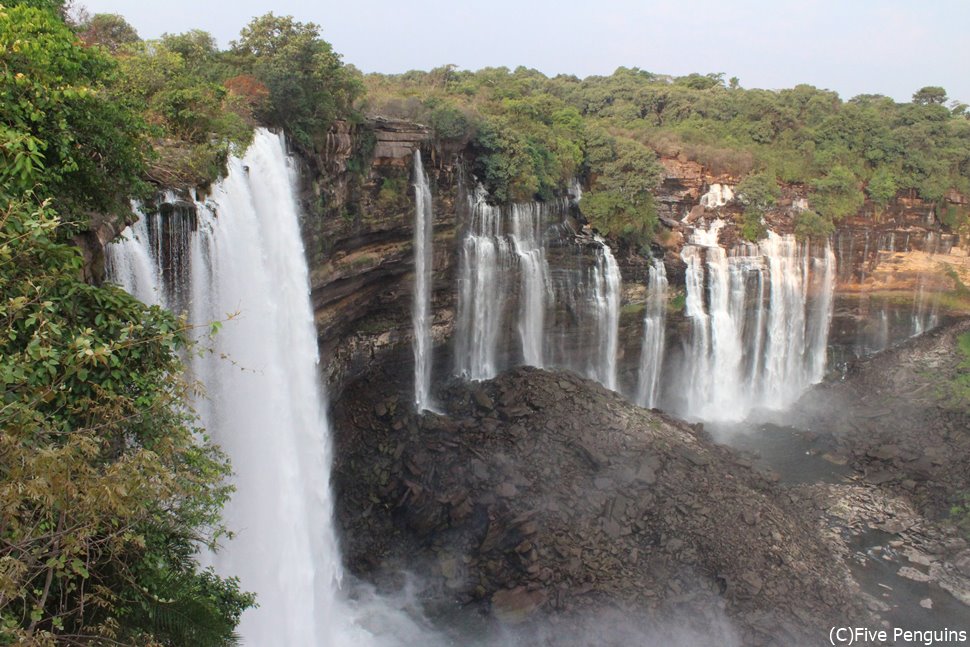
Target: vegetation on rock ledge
<point>535,133</point>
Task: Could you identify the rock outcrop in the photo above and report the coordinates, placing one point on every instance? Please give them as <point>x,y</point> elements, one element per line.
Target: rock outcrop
<point>901,418</point>
<point>541,494</point>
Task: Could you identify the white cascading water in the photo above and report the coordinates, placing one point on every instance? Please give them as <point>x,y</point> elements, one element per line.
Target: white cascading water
<point>483,269</point>
<point>507,292</point>
<point>700,375</point>
<point>717,195</point>
<point>926,308</point>
<point>130,264</point>
<point>606,300</point>
<point>925,314</point>
<point>421,306</point>
<point>654,336</point>
<point>526,239</point>
<point>760,336</point>
<point>820,323</point>
<point>265,405</point>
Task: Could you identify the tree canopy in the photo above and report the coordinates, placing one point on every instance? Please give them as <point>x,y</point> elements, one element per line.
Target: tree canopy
<point>841,151</point>
<point>308,85</point>
<point>107,486</point>
<point>59,134</point>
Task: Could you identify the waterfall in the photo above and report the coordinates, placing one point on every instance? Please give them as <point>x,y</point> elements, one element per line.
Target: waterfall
<point>606,301</point>
<point>654,336</point>
<point>717,195</point>
<point>421,306</point>
<point>926,308</point>
<point>526,240</point>
<point>785,340</point>
<point>265,405</point>
<point>699,366</point>
<point>821,320</point>
<point>759,338</point>
<point>515,305</point>
<point>130,263</point>
<point>484,268</point>
<point>576,191</point>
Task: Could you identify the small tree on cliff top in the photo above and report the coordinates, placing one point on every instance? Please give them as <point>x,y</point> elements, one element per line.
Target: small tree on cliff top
<point>930,95</point>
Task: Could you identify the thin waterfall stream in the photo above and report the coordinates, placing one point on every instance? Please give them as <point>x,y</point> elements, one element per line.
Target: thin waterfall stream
<point>421,305</point>
<point>654,336</point>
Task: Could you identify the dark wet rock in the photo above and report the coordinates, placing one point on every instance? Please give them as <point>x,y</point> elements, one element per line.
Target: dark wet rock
<point>646,474</point>
<point>483,400</point>
<point>594,502</point>
<point>694,457</point>
<point>506,490</point>
<point>882,476</point>
<point>893,526</point>
<point>884,452</point>
<point>514,605</point>
<point>914,574</point>
<point>753,580</point>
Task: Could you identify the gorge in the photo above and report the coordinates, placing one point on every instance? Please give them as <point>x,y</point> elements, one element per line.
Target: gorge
<point>294,353</point>
<point>532,286</point>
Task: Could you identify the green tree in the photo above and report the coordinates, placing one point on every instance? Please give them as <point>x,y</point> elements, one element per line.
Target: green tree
<point>194,117</point>
<point>930,95</point>
<point>308,85</point>
<point>620,201</point>
<point>758,193</point>
<point>837,194</point>
<point>198,51</point>
<point>60,134</point>
<point>108,30</point>
<point>811,224</point>
<point>882,186</point>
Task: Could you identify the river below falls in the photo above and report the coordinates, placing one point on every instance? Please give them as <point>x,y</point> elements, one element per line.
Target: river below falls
<point>803,457</point>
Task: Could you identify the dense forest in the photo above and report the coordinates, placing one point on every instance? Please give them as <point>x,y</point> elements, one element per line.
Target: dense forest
<point>531,134</point>
<point>105,490</point>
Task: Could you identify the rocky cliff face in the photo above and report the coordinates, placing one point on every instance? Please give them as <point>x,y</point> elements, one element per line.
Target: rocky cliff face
<point>893,264</point>
<point>91,242</point>
<point>900,272</point>
<point>358,231</point>
<point>544,498</point>
<point>899,269</point>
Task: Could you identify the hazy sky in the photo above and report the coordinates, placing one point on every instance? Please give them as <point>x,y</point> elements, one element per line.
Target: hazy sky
<point>890,47</point>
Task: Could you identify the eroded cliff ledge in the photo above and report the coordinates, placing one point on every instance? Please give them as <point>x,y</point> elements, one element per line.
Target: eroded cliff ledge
<point>359,224</point>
